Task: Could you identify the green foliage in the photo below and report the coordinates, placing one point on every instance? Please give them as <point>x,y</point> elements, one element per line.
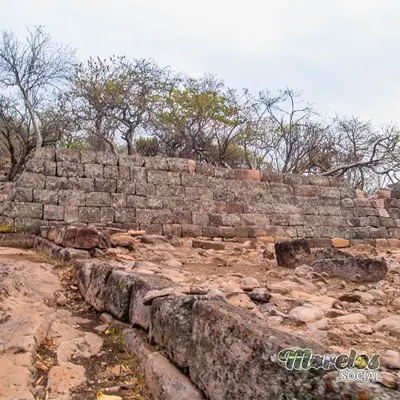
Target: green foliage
<point>147,146</point>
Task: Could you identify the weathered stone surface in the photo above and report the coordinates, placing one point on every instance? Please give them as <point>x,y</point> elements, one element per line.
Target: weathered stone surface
<point>52,212</point>
<point>292,253</point>
<point>69,169</point>
<point>31,180</point>
<point>117,294</point>
<point>77,237</point>
<point>204,244</point>
<point>68,155</point>
<point>122,240</point>
<point>96,288</point>
<point>353,268</point>
<point>166,382</point>
<point>228,342</point>
<point>89,214</point>
<point>93,171</point>
<point>139,313</point>
<point>171,327</point>
<point>45,196</point>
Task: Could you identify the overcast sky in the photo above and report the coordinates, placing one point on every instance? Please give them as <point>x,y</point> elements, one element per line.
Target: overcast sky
<point>344,55</point>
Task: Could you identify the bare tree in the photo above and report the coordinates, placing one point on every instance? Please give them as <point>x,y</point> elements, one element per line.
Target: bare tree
<point>88,103</point>
<point>285,133</point>
<point>363,152</point>
<point>30,69</point>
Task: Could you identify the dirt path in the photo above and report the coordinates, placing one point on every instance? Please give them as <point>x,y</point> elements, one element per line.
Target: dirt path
<point>51,345</point>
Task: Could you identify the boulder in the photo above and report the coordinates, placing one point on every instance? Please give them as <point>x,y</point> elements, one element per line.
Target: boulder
<point>307,314</point>
<point>330,252</point>
<point>390,324</point>
<point>292,253</point>
<point>353,268</point>
<point>122,240</point>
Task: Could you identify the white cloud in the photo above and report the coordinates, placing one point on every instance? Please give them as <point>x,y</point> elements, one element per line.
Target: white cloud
<point>342,54</point>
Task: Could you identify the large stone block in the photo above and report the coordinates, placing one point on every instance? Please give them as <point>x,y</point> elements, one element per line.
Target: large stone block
<point>22,195</point>
<point>129,160</point>
<point>86,184</point>
<point>95,292</point>
<point>71,197</point>
<point>118,292</point>
<point>118,200</point>
<point>292,253</point>
<point>31,180</point>
<point>68,155</point>
<point>45,196</point>
<point>231,351</point>
<point>35,165</point>
<point>138,174</point>
<point>280,188</point>
<point>111,172</point>
<point>126,187</point>
<point>93,171</point>
<point>247,174</point>
<point>46,153</point>
<point>140,314</point>
<point>106,158</point>
<point>55,183</point>
<point>53,213</point>
<point>71,214</point>
<point>193,180</point>
<point>156,163</point>
<point>192,230</point>
<point>28,225</point>
<point>163,177</point>
<point>201,219</point>
<point>98,199</point>
<point>69,169</point>
<point>170,190</point>
<point>107,215</point>
<point>133,201</point>
<point>171,327</point>
<point>125,215</point>
<point>124,173</point>
<point>178,164</point>
<point>88,157</point>
<point>353,268</point>
<point>145,189</point>
<point>89,214</point>
<point>23,210</point>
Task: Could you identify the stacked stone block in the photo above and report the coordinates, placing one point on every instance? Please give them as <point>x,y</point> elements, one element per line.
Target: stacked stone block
<point>182,197</point>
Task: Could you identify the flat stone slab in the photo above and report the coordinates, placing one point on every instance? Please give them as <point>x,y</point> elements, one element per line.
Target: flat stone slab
<point>353,268</point>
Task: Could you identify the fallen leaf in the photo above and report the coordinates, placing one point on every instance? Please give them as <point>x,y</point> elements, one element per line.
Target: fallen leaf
<point>101,396</point>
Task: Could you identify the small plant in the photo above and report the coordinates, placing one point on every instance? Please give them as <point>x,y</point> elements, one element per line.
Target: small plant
<point>6,228</point>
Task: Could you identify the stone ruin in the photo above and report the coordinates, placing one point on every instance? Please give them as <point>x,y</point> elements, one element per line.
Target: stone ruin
<point>214,271</point>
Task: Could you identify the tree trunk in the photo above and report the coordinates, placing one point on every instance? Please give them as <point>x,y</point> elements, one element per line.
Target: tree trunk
<point>36,128</point>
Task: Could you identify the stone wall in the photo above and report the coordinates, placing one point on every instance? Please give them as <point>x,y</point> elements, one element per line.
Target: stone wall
<point>186,198</point>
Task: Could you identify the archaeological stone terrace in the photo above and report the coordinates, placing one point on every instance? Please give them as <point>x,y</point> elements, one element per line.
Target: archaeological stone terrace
<point>187,198</point>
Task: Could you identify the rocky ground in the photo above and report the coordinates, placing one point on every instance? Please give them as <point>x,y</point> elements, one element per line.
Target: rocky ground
<point>340,313</point>
<point>52,345</point>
